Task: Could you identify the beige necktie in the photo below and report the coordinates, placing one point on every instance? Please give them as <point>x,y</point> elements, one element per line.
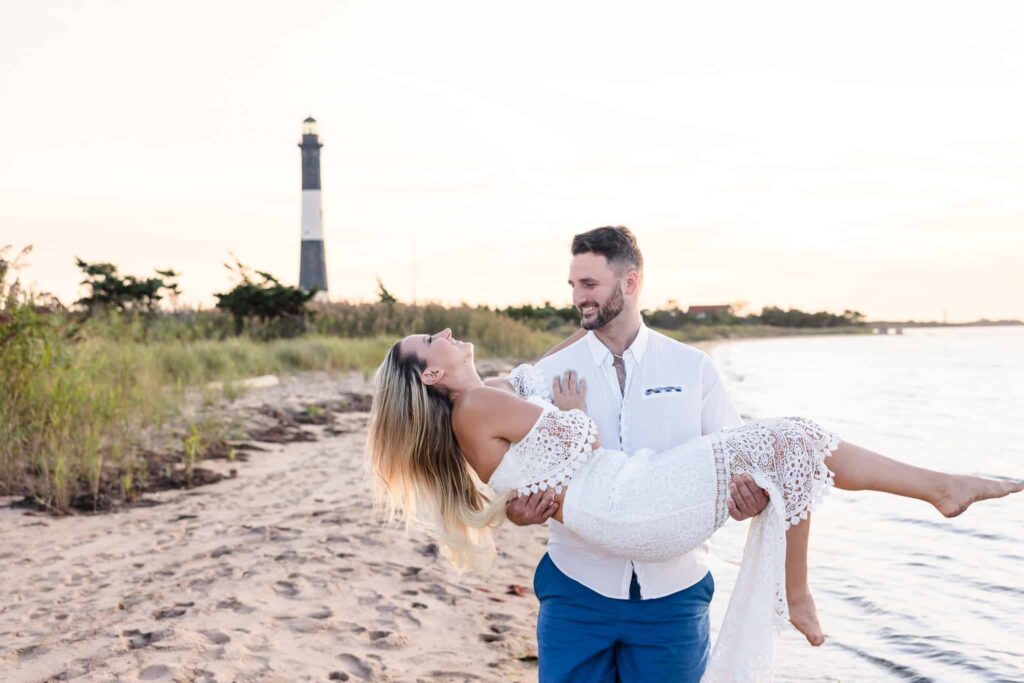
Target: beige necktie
<point>620,371</point>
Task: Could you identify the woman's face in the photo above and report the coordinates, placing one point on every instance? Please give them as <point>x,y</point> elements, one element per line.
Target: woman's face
<point>439,351</point>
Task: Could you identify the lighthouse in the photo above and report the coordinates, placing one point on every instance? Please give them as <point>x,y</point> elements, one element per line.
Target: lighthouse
<point>312,261</point>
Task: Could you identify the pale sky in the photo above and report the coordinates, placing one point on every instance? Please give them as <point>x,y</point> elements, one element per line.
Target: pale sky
<point>821,155</point>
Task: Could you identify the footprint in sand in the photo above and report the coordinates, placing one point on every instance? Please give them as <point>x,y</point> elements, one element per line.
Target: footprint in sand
<point>216,637</point>
<point>235,605</point>
<point>411,572</point>
<point>286,555</point>
<point>156,672</point>
<point>304,625</point>
<point>454,676</point>
<point>178,610</point>
<point>137,638</point>
<point>357,667</point>
<point>388,640</point>
<point>368,597</point>
<point>79,667</point>
<point>429,550</point>
<point>286,588</point>
<point>498,616</point>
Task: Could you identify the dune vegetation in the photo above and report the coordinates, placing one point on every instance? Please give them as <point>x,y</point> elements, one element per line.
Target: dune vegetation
<point>88,388</point>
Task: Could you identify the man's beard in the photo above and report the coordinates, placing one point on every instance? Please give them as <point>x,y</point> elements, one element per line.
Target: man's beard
<point>607,311</point>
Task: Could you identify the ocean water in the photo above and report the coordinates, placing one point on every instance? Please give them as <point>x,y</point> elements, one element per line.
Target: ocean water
<point>903,593</point>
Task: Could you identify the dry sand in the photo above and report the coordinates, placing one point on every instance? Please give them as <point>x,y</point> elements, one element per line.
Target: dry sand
<point>278,574</point>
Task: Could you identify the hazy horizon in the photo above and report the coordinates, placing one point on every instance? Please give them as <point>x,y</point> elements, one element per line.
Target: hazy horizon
<point>821,157</point>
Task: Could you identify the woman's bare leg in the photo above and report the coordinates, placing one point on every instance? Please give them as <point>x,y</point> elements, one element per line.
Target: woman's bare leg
<point>802,612</point>
<point>858,469</point>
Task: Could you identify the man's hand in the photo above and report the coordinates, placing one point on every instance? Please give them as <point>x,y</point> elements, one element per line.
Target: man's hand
<point>532,509</point>
<point>569,391</point>
<point>747,498</point>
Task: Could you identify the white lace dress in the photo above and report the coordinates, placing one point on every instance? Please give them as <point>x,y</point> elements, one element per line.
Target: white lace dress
<point>651,506</point>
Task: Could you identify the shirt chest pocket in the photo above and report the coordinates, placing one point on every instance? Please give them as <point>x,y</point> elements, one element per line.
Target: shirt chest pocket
<point>664,392</point>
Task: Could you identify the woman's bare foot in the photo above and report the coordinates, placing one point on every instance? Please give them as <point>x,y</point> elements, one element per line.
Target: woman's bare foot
<point>962,490</point>
<point>804,615</point>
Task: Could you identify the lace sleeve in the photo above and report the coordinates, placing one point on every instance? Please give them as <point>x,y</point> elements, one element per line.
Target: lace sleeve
<point>528,380</point>
<point>548,457</point>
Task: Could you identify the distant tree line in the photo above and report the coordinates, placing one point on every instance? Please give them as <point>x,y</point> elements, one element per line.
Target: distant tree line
<point>258,296</point>
<point>792,317</point>
<point>263,297</point>
<point>109,290</point>
<point>548,316</point>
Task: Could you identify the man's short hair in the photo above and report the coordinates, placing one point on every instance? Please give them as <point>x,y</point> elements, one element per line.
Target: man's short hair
<point>617,244</point>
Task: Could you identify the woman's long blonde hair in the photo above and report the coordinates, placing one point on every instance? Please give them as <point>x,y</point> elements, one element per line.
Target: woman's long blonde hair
<point>419,468</point>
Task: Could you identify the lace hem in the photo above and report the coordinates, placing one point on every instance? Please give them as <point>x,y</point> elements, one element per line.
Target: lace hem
<point>527,380</point>
<point>559,479</point>
<point>822,449</point>
<point>786,457</point>
<point>824,442</point>
<point>786,454</point>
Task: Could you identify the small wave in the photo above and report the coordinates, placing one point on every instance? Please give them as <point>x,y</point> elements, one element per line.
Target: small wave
<point>939,526</point>
<point>985,586</point>
<point>925,646</point>
<point>867,605</point>
<point>905,672</point>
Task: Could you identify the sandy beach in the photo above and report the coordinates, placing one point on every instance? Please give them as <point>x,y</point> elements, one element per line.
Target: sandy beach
<point>279,573</point>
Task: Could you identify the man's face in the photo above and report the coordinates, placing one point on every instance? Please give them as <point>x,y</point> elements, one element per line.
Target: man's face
<point>596,290</point>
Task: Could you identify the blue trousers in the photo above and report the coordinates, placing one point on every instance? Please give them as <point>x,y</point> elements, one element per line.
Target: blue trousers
<point>584,637</point>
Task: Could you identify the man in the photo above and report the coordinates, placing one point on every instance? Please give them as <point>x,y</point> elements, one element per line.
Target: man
<point>605,618</point>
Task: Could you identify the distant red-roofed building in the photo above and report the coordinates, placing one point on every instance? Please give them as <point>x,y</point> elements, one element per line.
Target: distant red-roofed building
<point>703,312</point>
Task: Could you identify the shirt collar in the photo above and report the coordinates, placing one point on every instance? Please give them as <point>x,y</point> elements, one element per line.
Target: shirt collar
<point>602,355</point>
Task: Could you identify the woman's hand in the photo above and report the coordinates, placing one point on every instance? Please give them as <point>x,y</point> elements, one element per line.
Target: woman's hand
<point>569,391</point>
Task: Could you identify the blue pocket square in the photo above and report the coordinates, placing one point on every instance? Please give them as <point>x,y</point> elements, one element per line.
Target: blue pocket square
<point>663,390</point>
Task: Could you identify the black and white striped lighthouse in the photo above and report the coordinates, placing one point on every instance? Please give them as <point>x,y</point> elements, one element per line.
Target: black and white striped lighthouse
<point>312,262</point>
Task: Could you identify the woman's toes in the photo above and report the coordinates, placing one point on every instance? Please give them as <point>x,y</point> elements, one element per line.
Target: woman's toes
<point>804,616</point>
<point>966,490</point>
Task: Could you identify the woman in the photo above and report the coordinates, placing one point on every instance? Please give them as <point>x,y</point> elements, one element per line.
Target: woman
<point>437,430</point>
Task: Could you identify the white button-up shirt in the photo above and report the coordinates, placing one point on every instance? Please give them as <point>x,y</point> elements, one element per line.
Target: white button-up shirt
<point>673,394</point>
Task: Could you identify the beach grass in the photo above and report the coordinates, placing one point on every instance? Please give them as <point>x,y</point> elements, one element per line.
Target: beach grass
<point>81,396</point>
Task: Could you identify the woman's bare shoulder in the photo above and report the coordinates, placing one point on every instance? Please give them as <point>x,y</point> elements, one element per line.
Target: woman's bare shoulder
<point>488,412</point>
<point>500,383</point>
<point>483,398</point>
